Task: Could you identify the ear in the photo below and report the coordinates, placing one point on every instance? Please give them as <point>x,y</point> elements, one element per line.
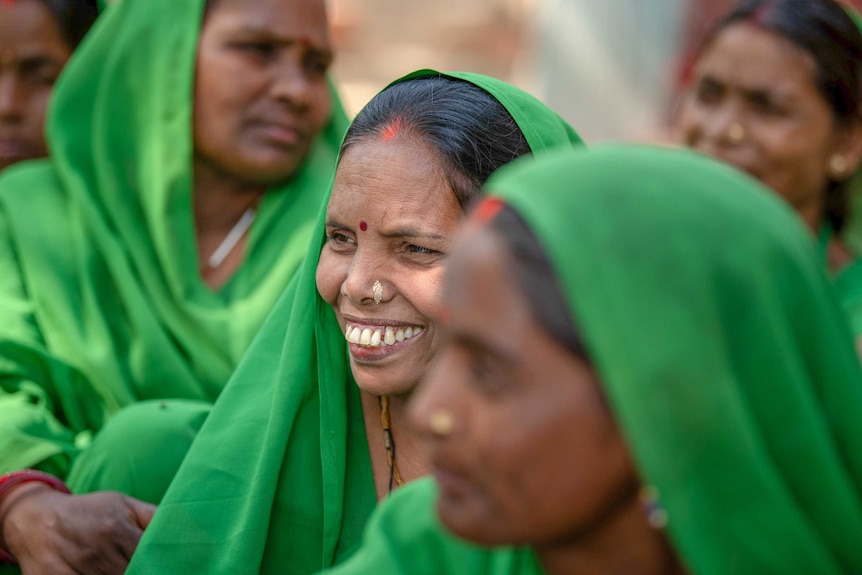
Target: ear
<point>847,153</point>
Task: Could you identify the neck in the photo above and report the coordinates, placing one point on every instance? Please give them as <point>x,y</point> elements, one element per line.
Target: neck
<point>218,203</point>
<point>812,215</point>
<point>408,449</point>
<point>622,545</point>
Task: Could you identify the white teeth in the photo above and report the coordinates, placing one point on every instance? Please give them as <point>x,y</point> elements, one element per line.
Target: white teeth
<point>353,334</point>
<point>381,336</point>
<point>389,339</point>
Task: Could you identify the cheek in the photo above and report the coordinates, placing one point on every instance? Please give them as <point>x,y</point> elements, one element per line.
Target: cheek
<point>331,273</point>
<point>423,290</point>
<point>322,106</point>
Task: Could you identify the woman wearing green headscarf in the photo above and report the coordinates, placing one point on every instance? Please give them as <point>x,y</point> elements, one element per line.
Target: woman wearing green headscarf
<point>645,371</point>
<point>191,146</point>
<point>776,91</point>
<point>283,476</point>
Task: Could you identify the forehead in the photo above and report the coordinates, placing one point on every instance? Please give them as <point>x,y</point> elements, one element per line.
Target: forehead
<point>388,181</point>
<point>287,18</point>
<point>28,26</point>
<point>753,58</point>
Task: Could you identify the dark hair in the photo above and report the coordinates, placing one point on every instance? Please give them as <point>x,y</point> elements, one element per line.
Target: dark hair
<point>534,275</point>
<point>827,33</point>
<point>74,17</point>
<point>470,130</point>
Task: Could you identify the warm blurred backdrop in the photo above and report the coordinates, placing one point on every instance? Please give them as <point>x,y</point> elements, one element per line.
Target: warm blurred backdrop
<point>610,67</point>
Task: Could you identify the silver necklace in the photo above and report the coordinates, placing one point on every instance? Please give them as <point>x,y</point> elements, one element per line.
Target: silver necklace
<point>232,238</point>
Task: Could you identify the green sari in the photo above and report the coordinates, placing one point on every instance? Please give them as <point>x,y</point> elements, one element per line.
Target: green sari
<point>101,302</point>
<point>724,355</point>
<point>279,479</point>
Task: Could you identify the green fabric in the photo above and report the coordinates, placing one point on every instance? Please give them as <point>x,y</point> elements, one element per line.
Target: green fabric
<point>723,352</point>
<point>405,537</point>
<point>101,302</point>
<point>847,282</point>
<point>279,479</point>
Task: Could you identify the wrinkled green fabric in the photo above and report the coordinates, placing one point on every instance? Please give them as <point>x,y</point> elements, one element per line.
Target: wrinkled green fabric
<point>279,479</point>
<point>722,350</point>
<point>101,301</point>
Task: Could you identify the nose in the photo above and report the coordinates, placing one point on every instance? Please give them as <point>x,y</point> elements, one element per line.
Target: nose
<point>291,83</point>
<point>723,127</point>
<point>434,410</point>
<point>367,281</point>
<point>10,98</point>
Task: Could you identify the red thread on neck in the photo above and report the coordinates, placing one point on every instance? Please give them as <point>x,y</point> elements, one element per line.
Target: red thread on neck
<point>363,226</point>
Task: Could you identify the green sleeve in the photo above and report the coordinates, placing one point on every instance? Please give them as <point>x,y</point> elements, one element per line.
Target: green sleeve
<point>34,430</point>
<point>404,537</point>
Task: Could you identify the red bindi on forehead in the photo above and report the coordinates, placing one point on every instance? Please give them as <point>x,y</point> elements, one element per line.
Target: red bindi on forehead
<point>486,210</point>
<point>392,130</point>
<point>363,226</point>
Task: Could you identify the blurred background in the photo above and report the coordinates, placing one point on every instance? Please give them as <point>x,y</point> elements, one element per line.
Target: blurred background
<point>612,68</point>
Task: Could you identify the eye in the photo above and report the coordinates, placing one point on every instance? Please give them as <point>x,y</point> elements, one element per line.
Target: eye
<point>414,249</point>
<point>316,63</point>
<point>39,73</point>
<point>766,106</point>
<point>339,241</point>
<point>486,376</point>
<point>709,92</point>
<point>261,50</point>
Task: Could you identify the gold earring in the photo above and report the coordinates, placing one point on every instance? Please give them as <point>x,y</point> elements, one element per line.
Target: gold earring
<point>838,165</point>
<point>736,133</point>
<point>441,423</point>
<point>377,289</point>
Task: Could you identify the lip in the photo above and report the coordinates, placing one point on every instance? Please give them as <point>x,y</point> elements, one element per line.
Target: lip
<point>282,134</point>
<point>451,480</point>
<point>373,354</point>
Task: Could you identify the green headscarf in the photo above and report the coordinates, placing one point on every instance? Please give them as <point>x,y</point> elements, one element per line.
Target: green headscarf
<point>721,348</point>
<point>279,479</point>
<point>101,301</point>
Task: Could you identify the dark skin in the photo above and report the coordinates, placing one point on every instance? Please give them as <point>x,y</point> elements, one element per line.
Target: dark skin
<point>261,97</point>
<point>397,189</point>
<point>532,454</point>
<point>32,54</point>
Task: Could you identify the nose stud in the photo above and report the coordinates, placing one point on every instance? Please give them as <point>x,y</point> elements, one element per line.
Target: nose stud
<point>736,133</point>
<point>377,290</point>
<point>441,423</point>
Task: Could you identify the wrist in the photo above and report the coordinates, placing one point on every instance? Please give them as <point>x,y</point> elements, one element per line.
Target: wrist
<point>16,486</point>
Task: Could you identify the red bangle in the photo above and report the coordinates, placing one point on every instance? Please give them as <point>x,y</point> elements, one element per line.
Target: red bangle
<point>10,480</point>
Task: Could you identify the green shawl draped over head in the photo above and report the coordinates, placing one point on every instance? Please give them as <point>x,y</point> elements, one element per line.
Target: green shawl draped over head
<point>722,350</point>
<point>718,340</point>
<point>279,479</point>
<point>101,301</point>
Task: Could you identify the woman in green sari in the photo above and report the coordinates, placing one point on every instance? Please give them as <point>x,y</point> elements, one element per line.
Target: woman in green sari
<point>302,443</point>
<point>645,371</point>
<point>777,92</point>
<point>192,144</point>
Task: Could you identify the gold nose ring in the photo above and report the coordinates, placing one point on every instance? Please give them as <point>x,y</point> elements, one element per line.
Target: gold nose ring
<point>441,423</point>
<point>736,133</point>
<point>377,290</point>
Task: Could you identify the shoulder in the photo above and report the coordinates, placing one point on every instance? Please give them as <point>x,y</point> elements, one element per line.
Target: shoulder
<point>404,536</point>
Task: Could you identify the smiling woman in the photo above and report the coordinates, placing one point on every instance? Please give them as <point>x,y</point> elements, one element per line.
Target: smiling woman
<point>776,92</point>
<point>302,444</point>
<point>606,430</point>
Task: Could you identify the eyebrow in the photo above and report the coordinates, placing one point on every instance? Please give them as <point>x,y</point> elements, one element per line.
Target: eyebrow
<point>481,345</point>
<point>396,233</point>
<point>262,30</point>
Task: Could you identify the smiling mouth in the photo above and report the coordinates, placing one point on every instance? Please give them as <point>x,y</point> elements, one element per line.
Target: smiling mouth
<point>380,336</point>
